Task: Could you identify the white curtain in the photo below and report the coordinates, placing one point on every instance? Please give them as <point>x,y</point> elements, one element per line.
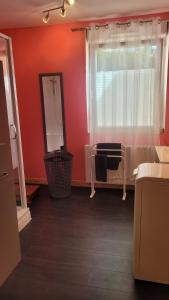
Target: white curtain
<point>124,83</point>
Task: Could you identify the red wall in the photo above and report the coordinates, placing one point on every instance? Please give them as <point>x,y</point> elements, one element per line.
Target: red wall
<point>53,49</point>
<point>50,49</point>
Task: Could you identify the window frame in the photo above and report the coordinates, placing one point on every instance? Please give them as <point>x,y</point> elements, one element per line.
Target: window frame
<point>164,82</point>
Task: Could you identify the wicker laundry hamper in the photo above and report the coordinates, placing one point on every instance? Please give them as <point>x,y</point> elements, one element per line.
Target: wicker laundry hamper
<point>58,166</point>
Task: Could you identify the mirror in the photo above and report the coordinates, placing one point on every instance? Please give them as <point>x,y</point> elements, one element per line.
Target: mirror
<point>51,86</point>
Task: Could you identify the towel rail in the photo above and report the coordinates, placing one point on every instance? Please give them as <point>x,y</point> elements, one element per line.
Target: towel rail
<point>94,151</point>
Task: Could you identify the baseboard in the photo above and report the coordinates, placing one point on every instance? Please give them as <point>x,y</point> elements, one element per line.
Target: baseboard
<point>38,181</point>
<point>24,217</point>
<point>79,183</point>
<point>100,185</point>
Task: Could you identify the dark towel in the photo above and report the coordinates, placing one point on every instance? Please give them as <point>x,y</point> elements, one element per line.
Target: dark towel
<point>101,167</point>
<point>102,162</point>
<point>110,146</point>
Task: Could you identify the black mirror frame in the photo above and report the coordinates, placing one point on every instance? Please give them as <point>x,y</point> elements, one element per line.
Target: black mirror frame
<point>41,75</point>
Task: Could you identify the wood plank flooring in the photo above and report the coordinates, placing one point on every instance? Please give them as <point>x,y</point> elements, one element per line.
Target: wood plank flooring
<point>79,249</point>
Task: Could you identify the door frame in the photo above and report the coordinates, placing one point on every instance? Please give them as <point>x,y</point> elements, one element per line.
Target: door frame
<point>16,116</point>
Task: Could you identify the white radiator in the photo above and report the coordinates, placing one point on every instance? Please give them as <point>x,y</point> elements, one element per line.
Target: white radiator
<point>134,157</point>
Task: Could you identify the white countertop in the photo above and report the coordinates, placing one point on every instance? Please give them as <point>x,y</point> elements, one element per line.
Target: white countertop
<point>153,171</point>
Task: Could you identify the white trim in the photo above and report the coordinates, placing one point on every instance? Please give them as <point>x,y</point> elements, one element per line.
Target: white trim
<point>16,113</point>
<point>87,84</point>
<point>165,77</point>
<point>4,36</point>
<point>24,217</point>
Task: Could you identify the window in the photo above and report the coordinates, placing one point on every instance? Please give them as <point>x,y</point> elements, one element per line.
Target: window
<point>116,75</point>
<point>126,82</point>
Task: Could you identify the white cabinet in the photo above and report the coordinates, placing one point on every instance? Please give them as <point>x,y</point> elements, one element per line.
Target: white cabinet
<point>151,223</point>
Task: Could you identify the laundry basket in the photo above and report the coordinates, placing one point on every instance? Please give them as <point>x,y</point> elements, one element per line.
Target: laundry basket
<point>58,166</point>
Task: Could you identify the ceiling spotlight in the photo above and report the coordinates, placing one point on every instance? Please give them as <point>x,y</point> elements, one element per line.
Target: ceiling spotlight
<point>71,2</point>
<point>63,12</point>
<point>61,8</point>
<point>46,18</point>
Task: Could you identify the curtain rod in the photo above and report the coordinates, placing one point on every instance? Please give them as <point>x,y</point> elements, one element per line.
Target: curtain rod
<point>97,26</point>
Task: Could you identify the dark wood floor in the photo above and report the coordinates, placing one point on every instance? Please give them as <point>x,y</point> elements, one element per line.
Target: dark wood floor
<point>79,248</point>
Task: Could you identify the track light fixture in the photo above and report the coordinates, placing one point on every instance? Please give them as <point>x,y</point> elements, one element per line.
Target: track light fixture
<point>71,2</point>
<point>63,12</point>
<point>62,8</point>
<point>46,17</point>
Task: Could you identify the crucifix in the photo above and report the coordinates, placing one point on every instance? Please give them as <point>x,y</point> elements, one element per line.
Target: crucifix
<point>53,81</point>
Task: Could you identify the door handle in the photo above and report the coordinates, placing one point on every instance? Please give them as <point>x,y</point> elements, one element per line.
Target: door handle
<point>3,175</point>
<point>12,126</point>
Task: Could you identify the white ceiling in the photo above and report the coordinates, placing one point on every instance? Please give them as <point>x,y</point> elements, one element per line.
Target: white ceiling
<point>28,13</point>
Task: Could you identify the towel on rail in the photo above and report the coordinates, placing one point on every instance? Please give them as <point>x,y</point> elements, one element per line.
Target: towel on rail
<point>102,162</point>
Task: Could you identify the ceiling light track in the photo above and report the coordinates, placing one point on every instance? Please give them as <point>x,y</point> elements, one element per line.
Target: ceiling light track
<point>62,8</point>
